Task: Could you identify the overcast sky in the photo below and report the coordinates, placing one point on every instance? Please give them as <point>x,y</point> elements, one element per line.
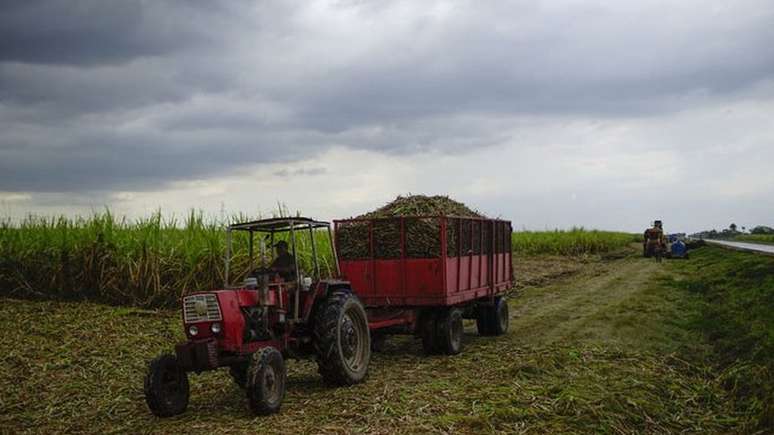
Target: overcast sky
<point>605,114</point>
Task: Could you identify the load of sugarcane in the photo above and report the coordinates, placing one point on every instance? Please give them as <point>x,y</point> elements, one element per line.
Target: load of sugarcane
<point>422,234</point>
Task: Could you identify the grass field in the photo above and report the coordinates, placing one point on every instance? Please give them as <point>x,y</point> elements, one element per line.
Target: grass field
<point>150,263</point>
<point>612,347</point>
<point>577,241</point>
<point>736,315</point>
<point>146,263</point>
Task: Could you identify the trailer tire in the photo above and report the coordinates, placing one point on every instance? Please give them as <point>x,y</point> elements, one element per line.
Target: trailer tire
<point>266,381</point>
<point>166,387</point>
<point>450,330</point>
<point>500,318</point>
<point>342,339</point>
<point>493,319</point>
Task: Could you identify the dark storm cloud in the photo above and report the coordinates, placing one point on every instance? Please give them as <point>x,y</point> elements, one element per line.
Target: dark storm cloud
<point>88,32</point>
<point>131,95</point>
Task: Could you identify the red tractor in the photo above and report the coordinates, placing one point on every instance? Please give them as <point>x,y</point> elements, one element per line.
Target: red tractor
<point>252,328</point>
<point>419,275</point>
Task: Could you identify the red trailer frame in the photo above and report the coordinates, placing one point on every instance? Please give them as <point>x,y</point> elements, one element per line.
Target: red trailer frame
<point>473,261</point>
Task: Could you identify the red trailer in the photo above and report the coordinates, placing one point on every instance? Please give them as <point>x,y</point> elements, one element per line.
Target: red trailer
<point>424,274</point>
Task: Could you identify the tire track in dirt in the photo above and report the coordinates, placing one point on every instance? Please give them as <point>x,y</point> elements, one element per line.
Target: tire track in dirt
<point>584,307</point>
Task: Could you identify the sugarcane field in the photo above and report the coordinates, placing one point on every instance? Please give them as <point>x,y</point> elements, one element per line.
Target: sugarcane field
<point>355,217</point>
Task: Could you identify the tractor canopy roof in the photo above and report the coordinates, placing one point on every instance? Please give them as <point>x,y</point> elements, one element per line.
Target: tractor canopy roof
<point>274,225</point>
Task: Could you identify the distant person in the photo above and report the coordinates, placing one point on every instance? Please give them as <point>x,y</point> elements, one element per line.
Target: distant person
<point>655,241</point>
<point>285,263</point>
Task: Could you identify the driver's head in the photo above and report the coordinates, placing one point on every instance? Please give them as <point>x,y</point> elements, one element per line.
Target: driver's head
<point>281,247</point>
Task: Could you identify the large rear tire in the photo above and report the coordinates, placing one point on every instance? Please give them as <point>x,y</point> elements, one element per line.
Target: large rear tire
<point>166,387</point>
<point>342,339</point>
<point>266,381</point>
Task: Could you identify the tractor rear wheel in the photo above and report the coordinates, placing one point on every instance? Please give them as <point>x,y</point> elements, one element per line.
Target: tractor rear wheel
<point>342,339</point>
<point>450,329</point>
<point>166,387</point>
<point>266,381</point>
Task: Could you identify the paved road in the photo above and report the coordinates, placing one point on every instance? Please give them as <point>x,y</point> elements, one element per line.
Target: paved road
<point>744,246</point>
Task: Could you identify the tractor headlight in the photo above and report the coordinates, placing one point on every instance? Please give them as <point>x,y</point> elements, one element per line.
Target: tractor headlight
<point>215,328</point>
<point>193,330</point>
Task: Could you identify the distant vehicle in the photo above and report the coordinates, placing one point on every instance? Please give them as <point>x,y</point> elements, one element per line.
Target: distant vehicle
<point>677,249</point>
<point>654,243</point>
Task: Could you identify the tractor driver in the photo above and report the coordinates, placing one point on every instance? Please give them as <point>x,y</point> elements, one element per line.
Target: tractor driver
<point>284,264</point>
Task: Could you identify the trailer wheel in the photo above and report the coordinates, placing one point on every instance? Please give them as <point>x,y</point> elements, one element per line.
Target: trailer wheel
<point>493,319</point>
<point>238,374</point>
<point>266,381</point>
<point>166,387</point>
<point>450,329</point>
<point>342,339</point>
<point>500,319</point>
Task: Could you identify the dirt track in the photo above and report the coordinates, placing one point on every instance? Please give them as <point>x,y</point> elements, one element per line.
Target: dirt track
<point>595,306</point>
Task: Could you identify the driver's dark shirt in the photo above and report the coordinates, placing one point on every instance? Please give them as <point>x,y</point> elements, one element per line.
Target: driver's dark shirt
<point>285,261</point>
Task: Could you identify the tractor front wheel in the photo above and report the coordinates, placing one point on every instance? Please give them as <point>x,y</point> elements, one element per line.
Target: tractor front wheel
<point>266,377</point>
<point>166,387</point>
<point>342,339</point>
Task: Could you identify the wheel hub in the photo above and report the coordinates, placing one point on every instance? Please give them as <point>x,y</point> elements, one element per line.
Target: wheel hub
<point>349,337</point>
<point>171,381</point>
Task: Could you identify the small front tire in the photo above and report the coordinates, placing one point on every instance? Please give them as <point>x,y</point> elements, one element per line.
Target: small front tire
<point>166,387</point>
<point>266,381</point>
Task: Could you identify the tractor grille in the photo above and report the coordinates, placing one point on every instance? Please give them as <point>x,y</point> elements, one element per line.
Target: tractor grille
<point>201,308</point>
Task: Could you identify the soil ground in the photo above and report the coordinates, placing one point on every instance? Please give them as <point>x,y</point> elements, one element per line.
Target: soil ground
<point>595,345</point>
